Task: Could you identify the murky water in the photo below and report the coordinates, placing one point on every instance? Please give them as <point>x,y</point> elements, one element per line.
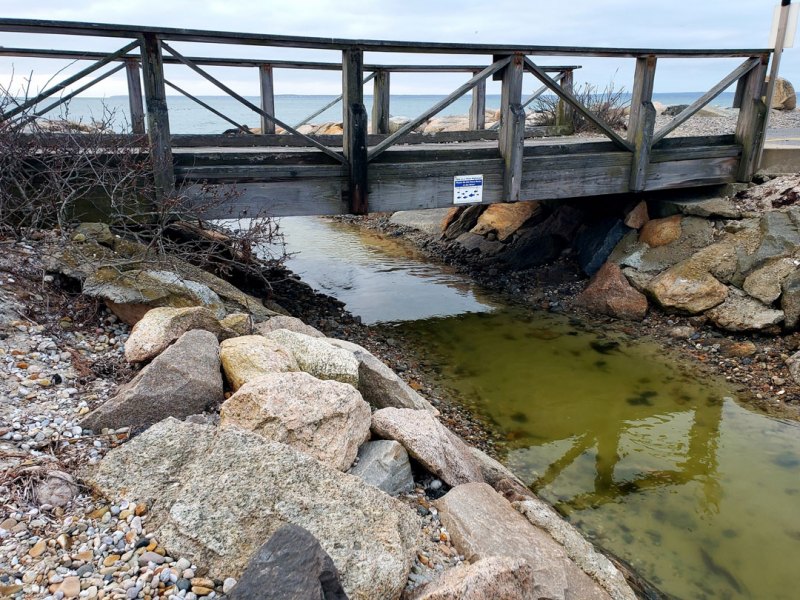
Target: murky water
<point>658,464</point>
<point>377,277</point>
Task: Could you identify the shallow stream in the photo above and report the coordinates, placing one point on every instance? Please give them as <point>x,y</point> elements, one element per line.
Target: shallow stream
<point>653,461</point>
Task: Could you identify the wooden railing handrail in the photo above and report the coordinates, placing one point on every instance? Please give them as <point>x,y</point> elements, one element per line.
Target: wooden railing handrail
<point>208,61</point>
<point>259,39</point>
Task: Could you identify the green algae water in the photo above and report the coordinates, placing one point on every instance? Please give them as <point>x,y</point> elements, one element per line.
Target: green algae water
<point>654,462</point>
<point>646,456</point>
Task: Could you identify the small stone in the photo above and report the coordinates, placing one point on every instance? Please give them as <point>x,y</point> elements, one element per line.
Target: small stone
<point>71,587</point>
<point>228,584</point>
<point>38,549</point>
<point>110,560</point>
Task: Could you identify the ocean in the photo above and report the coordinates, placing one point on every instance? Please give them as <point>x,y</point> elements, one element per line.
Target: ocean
<point>188,117</point>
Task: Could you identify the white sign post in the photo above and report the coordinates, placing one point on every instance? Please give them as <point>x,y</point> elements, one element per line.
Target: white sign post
<point>468,189</point>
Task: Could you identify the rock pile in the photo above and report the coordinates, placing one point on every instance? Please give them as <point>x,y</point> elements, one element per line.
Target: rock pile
<point>292,446</point>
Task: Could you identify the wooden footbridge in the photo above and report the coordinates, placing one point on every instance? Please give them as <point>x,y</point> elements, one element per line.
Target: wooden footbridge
<point>369,170</point>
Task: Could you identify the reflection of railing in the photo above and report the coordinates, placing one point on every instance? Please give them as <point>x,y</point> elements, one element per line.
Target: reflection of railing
<point>710,161</point>
<point>699,464</point>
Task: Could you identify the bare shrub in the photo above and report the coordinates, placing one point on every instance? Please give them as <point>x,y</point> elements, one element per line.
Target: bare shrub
<point>610,104</point>
<point>55,172</point>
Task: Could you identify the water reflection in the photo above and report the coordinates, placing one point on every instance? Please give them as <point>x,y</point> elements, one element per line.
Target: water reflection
<point>654,461</point>
<point>376,276</point>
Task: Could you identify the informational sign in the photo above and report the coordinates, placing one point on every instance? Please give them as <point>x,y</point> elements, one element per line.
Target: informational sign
<point>468,189</point>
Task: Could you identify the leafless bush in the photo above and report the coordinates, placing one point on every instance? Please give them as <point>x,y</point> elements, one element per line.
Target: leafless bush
<point>54,172</point>
<point>609,104</point>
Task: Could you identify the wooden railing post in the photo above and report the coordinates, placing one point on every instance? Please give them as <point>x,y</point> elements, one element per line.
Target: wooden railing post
<point>157,115</point>
<point>380,103</point>
<point>565,115</point>
<point>512,128</point>
<point>354,136</point>
<point>642,120</point>
<point>477,110</point>
<point>752,120</point>
<point>135,95</point>
<point>267,97</point>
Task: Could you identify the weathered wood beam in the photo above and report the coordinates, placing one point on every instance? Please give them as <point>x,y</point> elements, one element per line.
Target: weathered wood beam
<point>249,104</point>
<point>695,106</point>
<point>380,103</point>
<point>477,109</point>
<point>576,104</point>
<point>354,135</point>
<point>257,39</point>
<point>68,81</point>
<point>134,77</point>
<point>512,128</point>
<point>155,96</point>
<point>439,106</point>
<point>208,107</point>
<point>74,93</point>
<point>751,126</point>
<point>267,98</point>
<point>642,120</point>
<point>330,104</point>
<point>256,62</point>
<point>565,114</point>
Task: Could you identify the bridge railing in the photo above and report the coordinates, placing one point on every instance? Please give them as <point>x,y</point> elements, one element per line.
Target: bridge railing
<point>357,148</point>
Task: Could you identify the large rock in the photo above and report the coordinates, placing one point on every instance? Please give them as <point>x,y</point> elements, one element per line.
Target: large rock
<point>215,495</point>
<point>318,357</point>
<point>161,326</point>
<point>740,312</point>
<point>463,222</point>
<point>543,242</point>
<point>82,260</point>
<point>695,234</point>
<point>504,219</point>
<point>384,464</point>
<point>292,566</point>
<point>472,242</point>
<point>638,216</point>
<point>498,578</point>
<point>688,289</point>
<point>325,419</point>
<point>784,97</point>
<point>438,449</point>
<point>660,232</point>
<point>481,523</point>
<point>183,380</point>
<point>595,243</point>
<point>790,300</point>
<point>780,237</point>
<point>290,323</point>
<point>426,220</point>
<point>715,207</point>
<point>130,294</point>
<point>609,293</point>
<point>379,385</point>
<point>793,363</point>
<point>578,548</point>
<point>765,283</point>
<point>248,357</point>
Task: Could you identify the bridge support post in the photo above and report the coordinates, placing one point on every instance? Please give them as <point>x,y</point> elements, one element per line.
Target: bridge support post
<point>135,96</point>
<point>354,136</point>
<point>157,116</point>
<point>752,120</point>
<point>512,128</point>
<point>477,110</point>
<point>642,121</point>
<point>380,103</point>
<point>267,98</point>
<point>565,114</point>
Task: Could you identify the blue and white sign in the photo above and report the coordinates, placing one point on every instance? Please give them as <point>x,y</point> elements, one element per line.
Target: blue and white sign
<point>468,189</point>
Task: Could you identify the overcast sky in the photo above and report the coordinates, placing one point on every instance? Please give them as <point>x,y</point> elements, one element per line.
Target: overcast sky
<point>631,23</point>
